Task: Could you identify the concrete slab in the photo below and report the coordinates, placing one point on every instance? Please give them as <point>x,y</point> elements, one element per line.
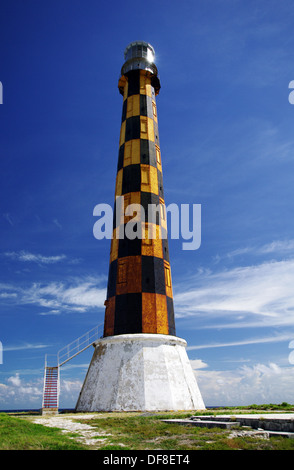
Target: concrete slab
<point>271,424</point>
<point>268,421</point>
<point>203,423</point>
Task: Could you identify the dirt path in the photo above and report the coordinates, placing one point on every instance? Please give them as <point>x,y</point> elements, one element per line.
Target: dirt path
<point>85,433</point>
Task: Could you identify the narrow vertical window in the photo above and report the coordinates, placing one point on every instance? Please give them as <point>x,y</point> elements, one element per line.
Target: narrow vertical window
<point>144,128</point>
<point>122,133</point>
<point>129,107</point>
<point>144,175</point>
<point>127,202</point>
<point>146,240</point>
<point>167,276</point>
<point>122,272</point>
<point>162,211</point>
<point>128,153</point>
<point>154,110</point>
<point>158,155</point>
<point>142,84</point>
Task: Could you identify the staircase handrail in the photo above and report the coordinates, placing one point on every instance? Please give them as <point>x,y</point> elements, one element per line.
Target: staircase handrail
<point>78,345</point>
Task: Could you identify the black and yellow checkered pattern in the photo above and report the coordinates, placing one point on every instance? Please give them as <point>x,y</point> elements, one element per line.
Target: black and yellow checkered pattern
<point>139,293</point>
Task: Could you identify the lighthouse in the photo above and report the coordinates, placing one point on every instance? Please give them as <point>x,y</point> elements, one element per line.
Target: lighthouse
<point>139,364</point>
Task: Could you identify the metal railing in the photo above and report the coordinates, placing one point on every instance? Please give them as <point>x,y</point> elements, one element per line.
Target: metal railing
<point>51,360</point>
<point>79,345</point>
<point>54,361</point>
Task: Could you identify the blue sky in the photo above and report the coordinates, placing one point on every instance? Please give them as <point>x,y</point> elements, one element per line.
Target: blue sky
<point>226,136</point>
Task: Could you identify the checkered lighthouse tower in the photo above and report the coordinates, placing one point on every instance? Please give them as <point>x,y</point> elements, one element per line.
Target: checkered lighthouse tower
<point>139,364</point>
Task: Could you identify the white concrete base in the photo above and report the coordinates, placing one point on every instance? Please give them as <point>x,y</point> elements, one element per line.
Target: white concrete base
<point>140,372</point>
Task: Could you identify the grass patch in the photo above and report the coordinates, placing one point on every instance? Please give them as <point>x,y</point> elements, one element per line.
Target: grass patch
<point>150,433</point>
<point>133,431</point>
<point>21,434</point>
<point>285,407</point>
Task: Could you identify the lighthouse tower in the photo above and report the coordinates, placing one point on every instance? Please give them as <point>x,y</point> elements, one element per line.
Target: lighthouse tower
<point>140,363</point>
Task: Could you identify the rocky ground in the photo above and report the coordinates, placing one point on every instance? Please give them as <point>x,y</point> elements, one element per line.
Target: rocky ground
<point>83,433</point>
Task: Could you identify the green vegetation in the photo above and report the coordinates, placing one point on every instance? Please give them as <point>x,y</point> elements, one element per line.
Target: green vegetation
<point>136,431</point>
<point>286,407</point>
<point>150,433</point>
<point>20,434</point>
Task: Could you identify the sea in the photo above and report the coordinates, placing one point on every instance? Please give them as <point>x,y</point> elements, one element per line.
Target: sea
<point>65,410</point>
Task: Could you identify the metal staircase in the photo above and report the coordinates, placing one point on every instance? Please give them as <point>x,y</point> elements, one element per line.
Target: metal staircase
<point>51,386</point>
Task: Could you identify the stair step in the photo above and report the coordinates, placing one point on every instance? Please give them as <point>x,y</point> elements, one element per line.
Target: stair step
<point>50,391</point>
<point>51,375</point>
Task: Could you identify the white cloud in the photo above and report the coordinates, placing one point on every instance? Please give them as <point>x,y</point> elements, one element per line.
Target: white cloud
<point>276,247</point>
<point>14,380</point>
<point>244,342</point>
<point>261,293</point>
<point>24,346</point>
<point>30,257</point>
<point>286,246</point>
<point>71,386</point>
<point>86,295</point>
<point>78,296</point>
<point>7,295</point>
<point>58,297</point>
<point>20,393</point>
<point>260,383</point>
<point>51,312</point>
<point>198,364</point>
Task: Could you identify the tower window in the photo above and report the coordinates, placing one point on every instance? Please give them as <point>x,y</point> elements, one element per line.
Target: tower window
<point>162,211</point>
<point>144,127</point>
<point>144,175</point>
<point>122,272</point>
<point>127,202</point>
<point>167,276</point>
<point>158,154</point>
<point>128,153</point>
<point>146,240</point>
